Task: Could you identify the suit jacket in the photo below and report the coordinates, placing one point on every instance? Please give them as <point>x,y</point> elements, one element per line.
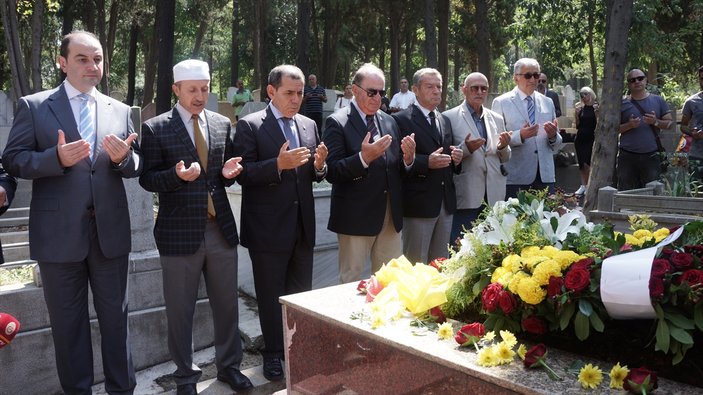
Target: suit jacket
<point>273,202</point>
<point>359,194</point>
<point>182,216</point>
<point>480,170</point>
<point>9,183</point>
<point>424,189</point>
<point>65,199</point>
<point>555,99</point>
<point>526,155</point>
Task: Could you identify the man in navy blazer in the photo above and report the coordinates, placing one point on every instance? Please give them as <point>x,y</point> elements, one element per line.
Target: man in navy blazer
<point>8,184</point>
<point>188,161</point>
<point>77,145</point>
<point>281,158</point>
<point>366,162</point>
<point>429,195</point>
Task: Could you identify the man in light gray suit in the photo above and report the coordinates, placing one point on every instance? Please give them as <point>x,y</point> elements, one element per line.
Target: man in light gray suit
<point>480,134</point>
<point>77,145</point>
<point>530,116</point>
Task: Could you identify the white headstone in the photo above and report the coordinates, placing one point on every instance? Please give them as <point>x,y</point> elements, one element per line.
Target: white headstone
<point>331,99</point>
<point>569,95</point>
<point>212,103</point>
<point>7,110</point>
<point>230,93</point>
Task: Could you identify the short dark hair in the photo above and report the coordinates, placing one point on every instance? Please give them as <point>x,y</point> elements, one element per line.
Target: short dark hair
<point>700,70</point>
<point>285,70</point>
<point>66,40</point>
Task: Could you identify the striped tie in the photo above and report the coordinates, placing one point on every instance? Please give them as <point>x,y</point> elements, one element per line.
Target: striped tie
<point>371,128</point>
<point>86,124</point>
<point>530,109</point>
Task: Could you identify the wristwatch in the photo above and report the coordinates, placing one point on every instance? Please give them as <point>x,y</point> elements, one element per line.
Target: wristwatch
<point>656,123</point>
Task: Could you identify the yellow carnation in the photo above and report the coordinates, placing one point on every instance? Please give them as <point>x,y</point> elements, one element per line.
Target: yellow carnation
<point>521,351</point>
<point>504,353</point>
<point>530,251</point>
<point>530,291</point>
<point>501,275</point>
<point>545,270</point>
<point>565,258</point>
<point>643,234</point>
<point>550,251</point>
<point>590,376</point>
<point>487,357</point>
<point>508,338</point>
<point>445,331</point>
<point>512,262</point>
<point>515,280</point>
<point>617,376</point>
<point>531,262</point>
<point>660,234</point>
<point>632,240</point>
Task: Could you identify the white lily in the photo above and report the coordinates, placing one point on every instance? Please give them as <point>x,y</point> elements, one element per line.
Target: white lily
<point>571,222</point>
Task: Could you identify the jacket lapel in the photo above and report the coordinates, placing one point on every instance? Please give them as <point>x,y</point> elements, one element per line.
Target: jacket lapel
<point>355,118</point>
<point>270,126</point>
<point>179,128</point>
<point>422,123</point>
<point>520,106</point>
<point>61,108</point>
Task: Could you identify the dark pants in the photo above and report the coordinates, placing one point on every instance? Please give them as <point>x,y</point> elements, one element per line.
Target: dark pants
<point>511,190</point>
<point>635,170</point>
<point>317,117</point>
<point>463,218</point>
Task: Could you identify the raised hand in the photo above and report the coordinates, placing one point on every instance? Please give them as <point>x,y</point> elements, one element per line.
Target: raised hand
<point>290,159</point>
<point>438,160</point>
<point>457,154</point>
<point>474,144</point>
<point>551,128</point>
<point>232,168</point>
<point>372,151</point>
<point>504,139</point>
<point>188,173</point>
<point>71,153</point>
<point>528,131</point>
<point>320,156</point>
<point>407,145</point>
<point>116,147</point>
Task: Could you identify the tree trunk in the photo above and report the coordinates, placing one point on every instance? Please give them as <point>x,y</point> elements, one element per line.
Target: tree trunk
<point>304,17</point>
<point>394,42</point>
<point>443,46</point>
<point>606,143</point>
<point>204,17</point>
<point>329,45</point>
<point>37,23</point>
<point>591,53</point>
<point>132,62</point>
<point>409,50</point>
<point>102,33</point>
<point>430,36</point>
<point>151,53</point>
<point>68,12</point>
<point>165,30</point>
<point>234,64</point>
<point>261,47</point>
<point>483,39</point>
<point>20,84</point>
<point>112,27</point>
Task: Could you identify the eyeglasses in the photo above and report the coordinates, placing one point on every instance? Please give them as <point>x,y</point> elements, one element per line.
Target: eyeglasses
<point>372,92</point>
<point>530,75</point>
<point>633,79</point>
<point>476,88</point>
<point>542,81</point>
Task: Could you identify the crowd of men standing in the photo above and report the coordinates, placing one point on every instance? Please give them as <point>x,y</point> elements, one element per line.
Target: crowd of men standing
<point>405,183</point>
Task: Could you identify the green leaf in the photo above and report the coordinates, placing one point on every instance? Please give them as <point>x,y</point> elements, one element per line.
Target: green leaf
<point>660,312</point>
<point>581,326</point>
<point>678,357</point>
<point>698,316</point>
<point>597,323</point>
<point>662,336</point>
<point>585,307</point>
<point>679,320</point>
<point>681,335</point>
<point>490,321</point>
<point>476,290</point>
<point>566,314</point>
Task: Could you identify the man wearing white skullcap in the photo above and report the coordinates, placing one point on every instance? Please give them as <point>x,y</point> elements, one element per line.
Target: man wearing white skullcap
<point>188,162</point>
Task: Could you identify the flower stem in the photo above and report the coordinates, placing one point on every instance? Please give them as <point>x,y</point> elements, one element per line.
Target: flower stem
<point>551,373</point>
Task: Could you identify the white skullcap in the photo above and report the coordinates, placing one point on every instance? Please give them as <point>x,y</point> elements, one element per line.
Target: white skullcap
<point>191,69</point>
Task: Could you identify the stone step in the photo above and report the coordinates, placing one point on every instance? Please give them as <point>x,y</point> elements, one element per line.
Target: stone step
<point>13,222</point>
<point>16,251</point>
<point>15,212</point>
<point>14,237</point>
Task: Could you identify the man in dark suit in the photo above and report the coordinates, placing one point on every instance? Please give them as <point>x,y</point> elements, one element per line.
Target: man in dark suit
<point>281,157</point>
<point>188,160</point>
<point>8,184</point>
<point>77,144</point>
<point>366,161</point>
<point>429,196</point>
<point>550,94</point>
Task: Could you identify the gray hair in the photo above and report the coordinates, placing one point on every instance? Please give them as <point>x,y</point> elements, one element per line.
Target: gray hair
<point>517,68</point>
<point>420,74</point>
<point>285,70</point>
<point>367,69</point>
<point>590,92</point>
<point>475,74</point>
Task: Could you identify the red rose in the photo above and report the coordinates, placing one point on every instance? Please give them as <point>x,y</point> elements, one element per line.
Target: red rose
<point>470,333</point>
<point>373,287</point>
<point>577,279</point>
<point>656,287</point>
<point>666,252</point>
<point>554,287</point>
<point>535,325</point>
<point>438,315</point>
<point>437,263</point>
<point>696,250</point>
<point>534,355</point>
<point>489,296</point>
<point>660,267</point>
<point>361,288</point>
<point>681,260</point>
<point>640,381</point>
<point>507,302</point>
<point>585,263</point>
<point>691,277</point>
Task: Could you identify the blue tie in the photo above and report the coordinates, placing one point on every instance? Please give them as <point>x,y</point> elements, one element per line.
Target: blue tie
<point>290,136</point>
<point>86,124</point>
<point>530,109</point>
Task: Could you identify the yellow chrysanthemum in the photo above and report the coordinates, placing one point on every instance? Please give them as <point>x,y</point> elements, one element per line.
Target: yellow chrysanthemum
<point>643,234</point>
<point>487,357</point>
<point>521,351</point>
<point>530,291</point>
<point>545,270</point>
<point>660,234</point>
<point>529,263</point>
<point>630,239</point>
<point>550,251</point>
<point>617,376</point>
<point>512,262</point>
<point>508,338</point>
<point>488,337</point>
<point>530,251</point>
<point>565,258</point>
<point>502,276</point>
<point>515,280</point>
<point>504,353</point>
<point>445,331</point>
<point>590,376</point>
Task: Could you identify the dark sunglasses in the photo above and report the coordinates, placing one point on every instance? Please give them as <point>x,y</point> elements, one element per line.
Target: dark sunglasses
<point>530,75</point>
<point>372,92</point>
<point>542,81</point>
<point>633,79</point>
<point>476,88</point>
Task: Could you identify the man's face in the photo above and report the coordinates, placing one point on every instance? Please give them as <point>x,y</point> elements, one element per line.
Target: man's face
<point>428,91</point>
<point>403,85</point>
<point>84,62</point>
<point>288,96</point>
<point>312,80</point>
<point>475,91</point>
<point>240,84</point>
<point>543,80</point>
<point>192,94</point>
<point>525,84</point>
<point>368,105</point>
<point>347,90</point>
<point>636,80</point>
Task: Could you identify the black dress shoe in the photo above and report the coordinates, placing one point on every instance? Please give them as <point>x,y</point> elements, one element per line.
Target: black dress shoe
<point>273,370</point>
<point>186,389</point>
<point>236,379</point>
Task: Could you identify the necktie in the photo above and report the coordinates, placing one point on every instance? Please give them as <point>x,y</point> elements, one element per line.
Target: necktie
<point>202,148</point>
<point>530,109</point>
<point>371,128</point>
<point>290,136</point>
<point>87,124</point>
<point>433,122</point>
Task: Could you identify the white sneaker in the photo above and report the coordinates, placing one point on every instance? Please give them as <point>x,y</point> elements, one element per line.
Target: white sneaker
<point>581,190</point>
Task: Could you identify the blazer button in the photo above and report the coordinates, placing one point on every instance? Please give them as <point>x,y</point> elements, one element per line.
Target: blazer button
<point>535,152</point>
<point>295,202</point>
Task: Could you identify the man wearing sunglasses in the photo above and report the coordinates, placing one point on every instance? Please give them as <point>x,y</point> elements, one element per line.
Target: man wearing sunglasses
<point>642,116</point>
<point>530,116</point>
<point>480,134</point>
<point>692,124</point>
<point>365,163</point>
<point>429,196</point>
<point>543,80</point>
